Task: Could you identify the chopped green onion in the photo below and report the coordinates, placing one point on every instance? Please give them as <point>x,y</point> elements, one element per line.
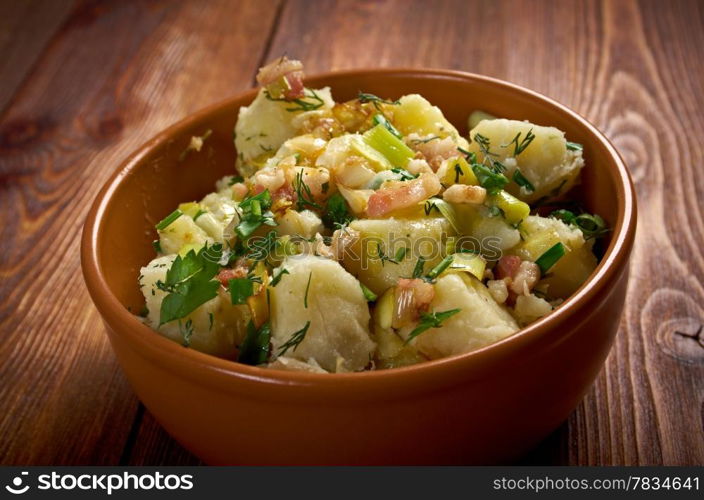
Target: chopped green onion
<point>169,219</point>
<point>550,257</point>
<point>393,148</point>
<point>400,254</point>
<point>444,264</point>
<point>574,146</point>
<point>490,180</point>
<point>368,294</point>
<point>157,246</point>
<point>418,269</point>
<point>305,297</point>
<point>521,180</point>
<point>591,225</point>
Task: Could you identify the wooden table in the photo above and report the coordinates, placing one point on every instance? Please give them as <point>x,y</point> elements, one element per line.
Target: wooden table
<point>83,84</point>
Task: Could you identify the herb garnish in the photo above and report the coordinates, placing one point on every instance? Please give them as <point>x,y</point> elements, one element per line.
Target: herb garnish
<point>240,290</point>
<point>430,320</point>
<point>235,179</point>
<point>435,272</point>
<point>277,277</point>
<point>574,146</point>
<point>255,348</point>
<point>255,212</point>
<point>186,332</point>
<point>368,294</point>
<point>550,257</point>
<point>397,258</point>
<point>336,212</point>
<point>365,97</point>
<point>305,297</point>
<point>521,145</point>
<point>592,226</point>
<point>301,104</point>
<point>296,338</point>
<point>168,220</point>
<point>405,174</point>
<point>189,282</point>
<point>418,269</point>
<point>304,197</point>
<point>521,180</point>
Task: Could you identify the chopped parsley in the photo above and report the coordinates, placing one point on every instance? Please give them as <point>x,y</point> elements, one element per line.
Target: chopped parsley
<point>337,213</point>
<point>240,290</point>
<point>190,282</point>
<point>255,348</point>
<point>430,320</point>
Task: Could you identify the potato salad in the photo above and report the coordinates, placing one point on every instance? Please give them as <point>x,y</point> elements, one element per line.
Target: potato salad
<point>369,234</point>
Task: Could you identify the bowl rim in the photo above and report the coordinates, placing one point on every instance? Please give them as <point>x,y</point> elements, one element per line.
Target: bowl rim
<point>162,350</point>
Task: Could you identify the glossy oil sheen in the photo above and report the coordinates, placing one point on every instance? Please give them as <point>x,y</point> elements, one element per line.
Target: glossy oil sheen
<point>487,406</point>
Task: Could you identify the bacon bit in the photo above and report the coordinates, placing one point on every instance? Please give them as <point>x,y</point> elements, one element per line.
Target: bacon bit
<point>239,191</point>
<point>435,151</point>
<point>525,278</point>
<point>402,194</point>
<point>507,267</point>
<point>283,78</point>
<point>225,275</point>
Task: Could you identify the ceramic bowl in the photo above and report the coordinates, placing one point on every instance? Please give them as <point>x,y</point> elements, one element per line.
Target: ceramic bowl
<point>487,406</point>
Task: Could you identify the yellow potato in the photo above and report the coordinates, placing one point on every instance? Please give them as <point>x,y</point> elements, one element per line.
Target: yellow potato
<point>481,321</point>
<point>320,293</point>
<point>218,326</point>
<point>546,162</point>
<point>568,274</point>
<point>183,231</point>
<point>422,237</point>
<point>414,114</point>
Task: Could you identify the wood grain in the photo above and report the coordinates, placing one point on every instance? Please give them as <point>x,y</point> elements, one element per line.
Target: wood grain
<point>116,73</point>
<point>26,27</point>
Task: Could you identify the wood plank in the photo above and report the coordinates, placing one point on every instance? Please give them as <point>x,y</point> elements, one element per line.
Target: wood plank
<point>634,69</point>
<point>26,27</point>
<point>116,73</point>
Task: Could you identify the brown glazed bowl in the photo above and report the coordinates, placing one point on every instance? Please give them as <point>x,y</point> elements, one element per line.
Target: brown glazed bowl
<point>487,406</point>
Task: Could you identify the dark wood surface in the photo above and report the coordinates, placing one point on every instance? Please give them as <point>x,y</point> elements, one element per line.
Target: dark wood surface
<point>83,83</point>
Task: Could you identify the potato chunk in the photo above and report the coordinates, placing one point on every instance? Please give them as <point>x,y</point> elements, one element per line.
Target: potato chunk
<point>421,237</point>
<point>320,293</point>
<point>264,125</point>
<point>546,162</point>
<point>183,231</point>
<point>481,321</point>
<point>414,114</point>
<point>573,269</point>
<point>218,326</point>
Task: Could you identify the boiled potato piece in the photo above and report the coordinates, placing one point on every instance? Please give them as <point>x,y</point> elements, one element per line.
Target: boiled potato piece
<point>183,231</point>
<point>422,237</point>
<point>218,326</point>
<point>414,114</point>
<point>264,125</point>
<point>305,224</point>
<point>568,274</point>
<point>481,321</point>
<point>492,235</point>
<point>219,210</point>
<point>546,162</point>
<point>337,337</point>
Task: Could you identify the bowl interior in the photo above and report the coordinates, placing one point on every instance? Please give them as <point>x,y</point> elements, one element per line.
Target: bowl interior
<point>160,176</point>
